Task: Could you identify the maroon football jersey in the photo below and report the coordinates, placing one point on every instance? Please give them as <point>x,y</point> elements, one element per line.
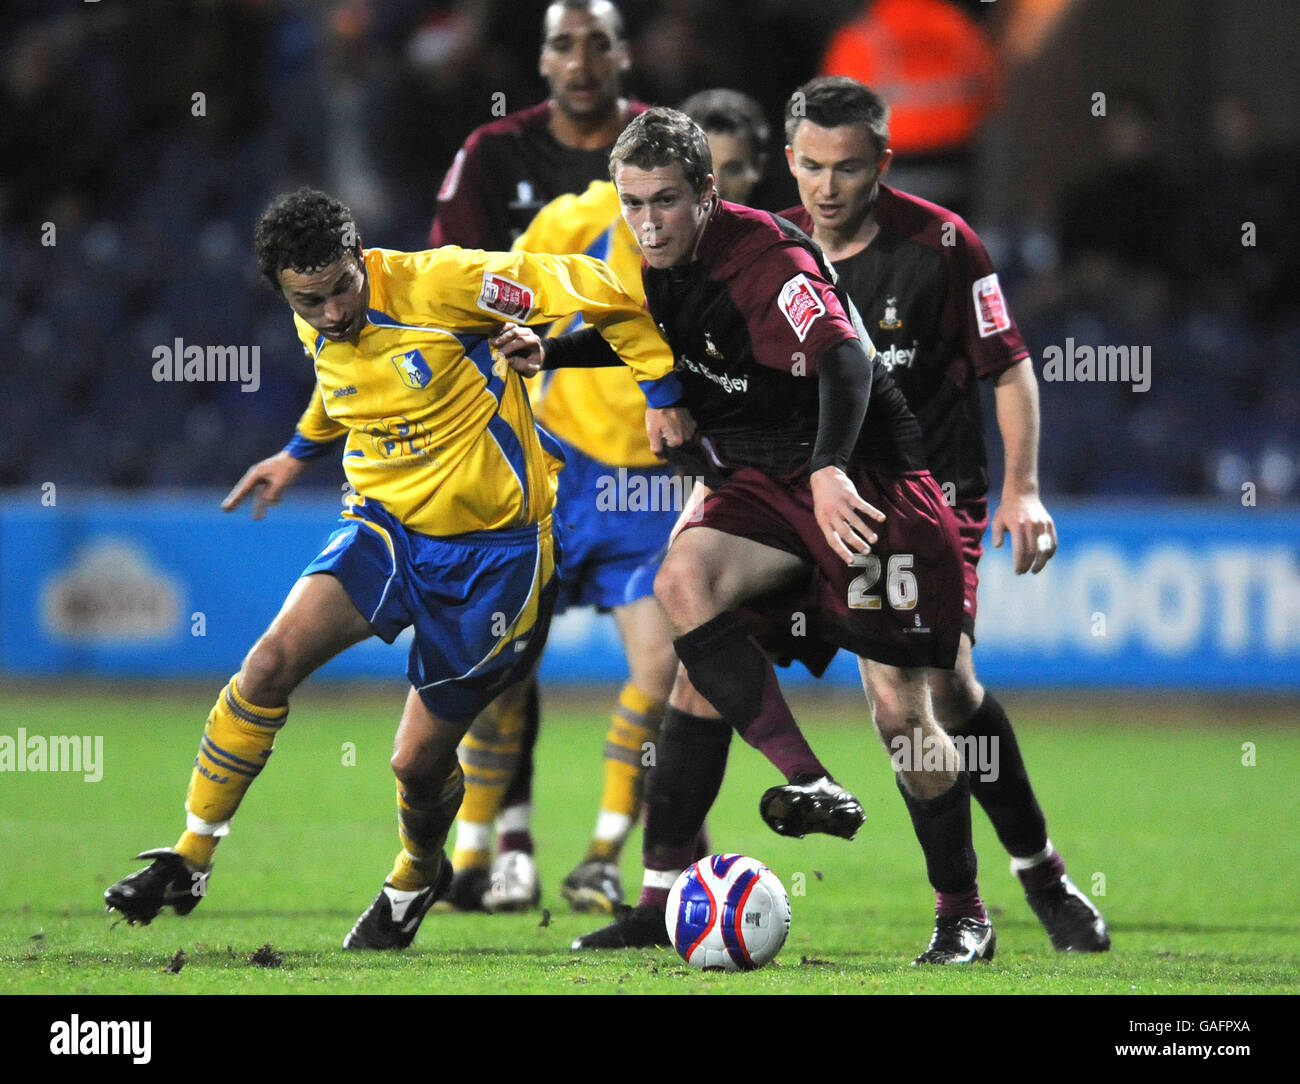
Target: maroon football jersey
<point>930,300</point>
<point>748,321</point>
<point>505,173</point>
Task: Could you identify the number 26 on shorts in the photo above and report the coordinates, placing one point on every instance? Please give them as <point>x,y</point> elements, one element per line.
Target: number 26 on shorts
<point>900,583</point>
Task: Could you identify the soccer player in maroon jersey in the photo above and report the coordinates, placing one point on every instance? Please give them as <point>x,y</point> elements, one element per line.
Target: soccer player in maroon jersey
<point>930,300</point>
<point>818,528</point>
<point>510,168</point>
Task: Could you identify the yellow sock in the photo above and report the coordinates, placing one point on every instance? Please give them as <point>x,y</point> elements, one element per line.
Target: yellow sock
<point>635,721</point>
<point>489,753</point>
<point>422,824</point>
<point>236,743</point>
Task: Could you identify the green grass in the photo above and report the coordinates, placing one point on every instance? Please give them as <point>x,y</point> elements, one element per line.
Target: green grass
<point>1199,856</point>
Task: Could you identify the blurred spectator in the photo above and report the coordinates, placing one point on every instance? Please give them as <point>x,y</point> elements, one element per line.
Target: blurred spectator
<point>937,69</point>
<point>1247,241</point>
<point>59,121</point>
<point>1123,227</point>
<point>738,138</point>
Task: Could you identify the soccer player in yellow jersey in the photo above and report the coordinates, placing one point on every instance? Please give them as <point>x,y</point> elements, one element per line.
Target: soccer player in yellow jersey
<point>617,504</point>
<point>449,530</point>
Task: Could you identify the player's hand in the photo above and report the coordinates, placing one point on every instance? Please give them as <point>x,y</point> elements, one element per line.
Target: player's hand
<point>521,346</point>
<point>1033,534</point>
<point>842,514</point>
<point>266,481</point>
<point>669,427</point>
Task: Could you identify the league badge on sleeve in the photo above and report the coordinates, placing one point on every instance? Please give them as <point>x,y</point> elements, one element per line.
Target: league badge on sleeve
<point>800,304</point>
<point>990,308</point>
<point>412,368</point>
<point>505,298</point>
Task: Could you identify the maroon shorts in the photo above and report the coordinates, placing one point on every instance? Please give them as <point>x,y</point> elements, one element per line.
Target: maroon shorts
<point>972,521</point>
<point>900,605</point>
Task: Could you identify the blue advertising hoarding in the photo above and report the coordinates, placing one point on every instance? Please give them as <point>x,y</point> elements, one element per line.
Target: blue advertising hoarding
<point>1144,595</point>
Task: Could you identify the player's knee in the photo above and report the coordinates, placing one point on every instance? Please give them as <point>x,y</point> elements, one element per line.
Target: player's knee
<point>268,674</point>
<point>421,764</point>
<point>681,589</point>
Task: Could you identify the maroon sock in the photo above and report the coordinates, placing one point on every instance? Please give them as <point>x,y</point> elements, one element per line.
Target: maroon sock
<point>776,735</point>
<point>653,897</point>
<point>1044,875</point>
<point>515,841</point>
<point>961,904</point>
<point>731,671</point>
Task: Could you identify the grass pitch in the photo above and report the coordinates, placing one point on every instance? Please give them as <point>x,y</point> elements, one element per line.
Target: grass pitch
<point>1153,802</point>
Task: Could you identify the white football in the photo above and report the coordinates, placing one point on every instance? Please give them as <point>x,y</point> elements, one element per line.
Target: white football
<point>728,913</point>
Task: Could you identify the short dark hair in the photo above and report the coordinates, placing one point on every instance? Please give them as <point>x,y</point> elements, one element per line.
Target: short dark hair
<point>832,101</point>
<point>589,6</point>
<point>303,231</point>
<point>660,137</point>
<point>731,113</point>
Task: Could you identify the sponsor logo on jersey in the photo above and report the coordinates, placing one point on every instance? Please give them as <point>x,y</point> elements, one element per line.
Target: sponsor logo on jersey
<point>412,368</point>
<point>890,321</point>
<point>896,357</point>
<point>990,307</point>
<point>452,180</point>
<point>710,348</point>
<point>727,383</point>
<point>801,305</point>
<point>504,297</point>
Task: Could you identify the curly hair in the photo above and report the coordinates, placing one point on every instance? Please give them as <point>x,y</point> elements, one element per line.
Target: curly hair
<point>303,231</point>
<point>660,137</point>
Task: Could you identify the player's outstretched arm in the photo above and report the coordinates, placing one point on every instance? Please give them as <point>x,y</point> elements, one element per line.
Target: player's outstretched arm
<point>266,481</point>
<point>1021,513</point>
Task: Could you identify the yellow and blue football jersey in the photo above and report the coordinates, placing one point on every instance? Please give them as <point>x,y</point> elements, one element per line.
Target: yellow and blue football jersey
<point>599,411</point>
<point>439,430</point>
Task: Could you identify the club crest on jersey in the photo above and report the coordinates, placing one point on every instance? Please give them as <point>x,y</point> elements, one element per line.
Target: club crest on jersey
<point>502,297</point>
<point>890,321</point>
<point>524,198</point>
<point>990,308</point>
<point>412,368</point>
<point>801,305</point>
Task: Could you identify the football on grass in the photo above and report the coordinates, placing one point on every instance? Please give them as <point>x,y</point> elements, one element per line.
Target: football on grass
<point>728,913</point>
